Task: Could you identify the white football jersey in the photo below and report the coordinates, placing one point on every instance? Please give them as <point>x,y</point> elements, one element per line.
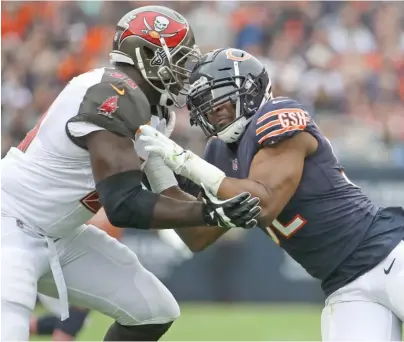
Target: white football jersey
<point>47,181</point>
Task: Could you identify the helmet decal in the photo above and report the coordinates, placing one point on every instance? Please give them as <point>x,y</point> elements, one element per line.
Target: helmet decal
<point>159,42</point>
<point>230,55</point>
<point>152,26</point>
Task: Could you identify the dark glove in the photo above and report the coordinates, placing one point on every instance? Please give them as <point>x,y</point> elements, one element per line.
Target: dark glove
<point>239,211</point>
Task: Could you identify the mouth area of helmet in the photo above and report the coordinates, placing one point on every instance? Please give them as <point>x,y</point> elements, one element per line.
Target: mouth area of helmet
<point>178,70</point>
<point>215,104</point>
<point>222,115</point>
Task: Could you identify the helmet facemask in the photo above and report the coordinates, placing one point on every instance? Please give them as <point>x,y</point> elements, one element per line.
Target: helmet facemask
<point>175,74</point>
<point>172,77</point>
<point>244,92</point>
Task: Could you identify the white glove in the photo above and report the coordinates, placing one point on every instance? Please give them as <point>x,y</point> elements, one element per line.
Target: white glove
<point>162,113</point>
<point>162,126</point>
<point>153,141</point>
<point>181,161</point>
<point>139,145</point>
<point>167,128</point>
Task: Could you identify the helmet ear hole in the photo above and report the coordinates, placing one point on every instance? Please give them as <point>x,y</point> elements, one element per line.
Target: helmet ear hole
<point>148,52</point>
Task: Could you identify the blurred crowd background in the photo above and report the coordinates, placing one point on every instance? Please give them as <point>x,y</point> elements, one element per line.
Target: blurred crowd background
<point>344,60</point>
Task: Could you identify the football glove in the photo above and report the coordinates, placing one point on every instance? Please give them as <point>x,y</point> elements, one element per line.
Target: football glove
<point>167,120</point>
<point>161,125</point>
<point>240,211</point>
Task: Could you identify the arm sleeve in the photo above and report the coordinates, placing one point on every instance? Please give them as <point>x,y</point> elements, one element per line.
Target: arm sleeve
<point>189,186</point>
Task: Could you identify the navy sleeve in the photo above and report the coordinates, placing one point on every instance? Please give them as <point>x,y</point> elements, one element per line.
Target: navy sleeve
<point>279,119</point>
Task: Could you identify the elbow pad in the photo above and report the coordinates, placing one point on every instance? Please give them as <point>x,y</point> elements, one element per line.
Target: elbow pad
<point>126,204</point>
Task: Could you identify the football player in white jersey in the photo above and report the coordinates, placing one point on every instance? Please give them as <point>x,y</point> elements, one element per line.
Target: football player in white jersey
<point>49,324</point>
<point>81,156</point>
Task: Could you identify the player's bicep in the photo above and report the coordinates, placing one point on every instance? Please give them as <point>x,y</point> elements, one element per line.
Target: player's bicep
<point>279,169</point>
<point>272,165</point>
<point>111,154</point>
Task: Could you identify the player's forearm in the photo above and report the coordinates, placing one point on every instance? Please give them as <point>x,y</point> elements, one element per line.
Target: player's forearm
<point>169,212</point>
<point>230,187</point>
<point>163,181</point>
<point>196,238</point>
<point>128,205</point>
<point>199,238</point>
<point>274,188</point>
<point>200,171</point>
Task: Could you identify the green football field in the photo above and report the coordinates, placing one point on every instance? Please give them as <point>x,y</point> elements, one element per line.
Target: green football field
<point>238,322</point>
<point>230,322</point>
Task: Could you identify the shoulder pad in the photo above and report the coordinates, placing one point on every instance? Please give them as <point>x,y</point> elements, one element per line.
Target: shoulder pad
<point>115,104</point>
<point>279,119</point>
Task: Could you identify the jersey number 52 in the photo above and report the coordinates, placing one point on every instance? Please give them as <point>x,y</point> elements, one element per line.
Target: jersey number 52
<point>287,230</point>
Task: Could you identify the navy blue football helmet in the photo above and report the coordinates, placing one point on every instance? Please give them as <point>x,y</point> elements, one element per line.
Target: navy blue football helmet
<point>227,75</point>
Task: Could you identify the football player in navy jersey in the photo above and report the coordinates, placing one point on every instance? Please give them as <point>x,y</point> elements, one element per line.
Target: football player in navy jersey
<point>272,148</point>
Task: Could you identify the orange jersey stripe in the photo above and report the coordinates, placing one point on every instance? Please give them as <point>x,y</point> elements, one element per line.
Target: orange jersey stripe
<point>278,111</point>
<point>281,131</point>
<point>267,126</point>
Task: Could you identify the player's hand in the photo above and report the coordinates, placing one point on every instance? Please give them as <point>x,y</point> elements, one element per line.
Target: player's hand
<point>160,125</point>
<point>167,118</point>
<point>140,145</point>
<point>167,124</point>
<point>173,155</point>
<point>239,211</point>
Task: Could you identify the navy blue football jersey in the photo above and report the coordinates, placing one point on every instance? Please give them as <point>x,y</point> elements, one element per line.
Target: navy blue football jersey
<point>329,226</point>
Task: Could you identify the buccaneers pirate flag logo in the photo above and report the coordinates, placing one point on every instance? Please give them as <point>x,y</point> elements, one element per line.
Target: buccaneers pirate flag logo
<point>152,26</point>
<point>109,106</point>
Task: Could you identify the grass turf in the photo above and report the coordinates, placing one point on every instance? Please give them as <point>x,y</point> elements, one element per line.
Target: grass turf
<point>237,322</point>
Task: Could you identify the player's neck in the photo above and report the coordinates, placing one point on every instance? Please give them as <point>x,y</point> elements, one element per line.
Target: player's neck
<point>152,95</point>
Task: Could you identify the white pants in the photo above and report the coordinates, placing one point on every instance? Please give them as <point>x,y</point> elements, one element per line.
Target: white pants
<point>51,304</point>
<point>100,273</point>
<point>371,308</point>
